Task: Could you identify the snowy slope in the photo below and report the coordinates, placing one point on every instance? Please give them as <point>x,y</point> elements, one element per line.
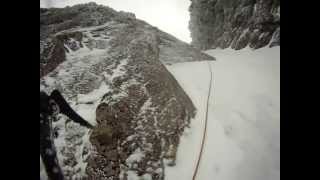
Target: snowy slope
<point>243,135</point>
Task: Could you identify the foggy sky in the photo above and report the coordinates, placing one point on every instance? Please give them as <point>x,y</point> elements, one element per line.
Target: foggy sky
<point>171,16</point>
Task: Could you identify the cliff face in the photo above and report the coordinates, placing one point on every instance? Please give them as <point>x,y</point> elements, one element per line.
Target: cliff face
<point>234,23</point>
<point>111,68</point>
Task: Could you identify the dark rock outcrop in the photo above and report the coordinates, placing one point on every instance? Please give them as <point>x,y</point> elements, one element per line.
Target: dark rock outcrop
<point>234,23</point>
<point>114,65</point>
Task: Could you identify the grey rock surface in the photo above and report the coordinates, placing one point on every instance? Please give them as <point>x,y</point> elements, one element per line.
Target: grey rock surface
<point>234,23</point>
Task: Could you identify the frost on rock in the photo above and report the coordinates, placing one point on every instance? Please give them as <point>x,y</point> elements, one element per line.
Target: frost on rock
<point>135,157</point>
<point>128,115</point>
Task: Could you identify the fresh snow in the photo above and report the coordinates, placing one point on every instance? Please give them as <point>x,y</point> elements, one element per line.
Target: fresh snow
<point>135,157</point>
<point>88,103</point>
<point>191,140</point>
<point>131,175</point>
<point>243,135</point>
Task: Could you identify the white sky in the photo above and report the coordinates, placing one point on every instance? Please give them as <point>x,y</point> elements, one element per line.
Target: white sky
<point>171,16</point>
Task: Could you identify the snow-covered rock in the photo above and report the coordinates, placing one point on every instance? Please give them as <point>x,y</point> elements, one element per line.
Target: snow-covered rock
<point>110,67</point>
<point>234,23</point>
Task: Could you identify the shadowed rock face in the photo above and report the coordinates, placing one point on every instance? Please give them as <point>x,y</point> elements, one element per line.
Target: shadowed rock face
<point>142,110</point>
<point>234,23</point>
